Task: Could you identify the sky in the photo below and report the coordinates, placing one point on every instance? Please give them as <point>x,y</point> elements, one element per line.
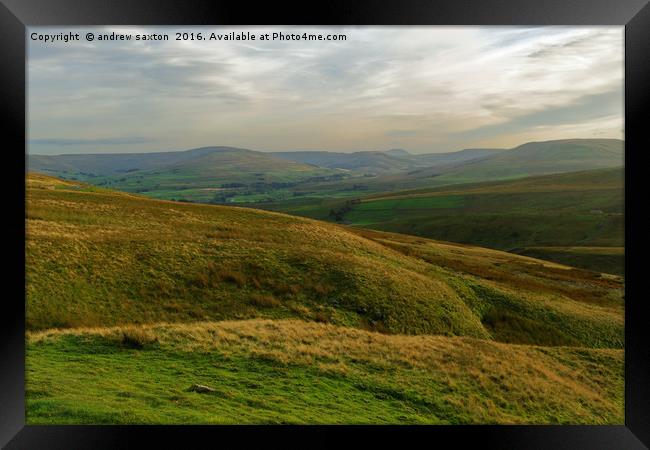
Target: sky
<point>422,89</point>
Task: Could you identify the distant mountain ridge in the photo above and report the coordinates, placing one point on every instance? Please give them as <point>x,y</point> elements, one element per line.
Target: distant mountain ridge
<point>375,162</point>
<point>111,163</point>
<point>537,158</point>
<point>390,161</point>
<point>229,174</point>
<point>200,174</point>
<point>577,153</point>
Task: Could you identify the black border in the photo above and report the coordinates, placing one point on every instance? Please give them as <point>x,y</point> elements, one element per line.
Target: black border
<point>15,15</point>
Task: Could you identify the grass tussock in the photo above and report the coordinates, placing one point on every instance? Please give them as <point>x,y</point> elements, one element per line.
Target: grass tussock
<point>136,337</point>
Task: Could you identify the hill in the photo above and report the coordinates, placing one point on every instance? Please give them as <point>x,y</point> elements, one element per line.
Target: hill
<point>208,174</point>
<point>214,262</point>
<point>581,212</point>
<point>534,158</point>
<point>388,162</point>
<point>461,156</point>
<point>233,175</point>
<point>104,164</point>
<point>398,152</point>
<point>465,166</point>
<point>126,298</point>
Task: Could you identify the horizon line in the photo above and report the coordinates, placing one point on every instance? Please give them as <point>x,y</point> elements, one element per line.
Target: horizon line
<point>299,150</point>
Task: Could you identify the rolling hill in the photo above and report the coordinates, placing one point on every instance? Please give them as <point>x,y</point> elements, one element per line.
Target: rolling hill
<point>232,175</point>
<point>396,170</point>
<point>207,174</point>
<point>103,164</point>
<point>466,166</point>
<point>533,158</point>
<point>377,162</point>
<point>217,262</point>
<point>361,162</point>
<point>126,298</point>
<point>110,163</point>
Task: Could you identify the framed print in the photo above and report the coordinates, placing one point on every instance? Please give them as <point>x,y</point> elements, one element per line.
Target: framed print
<point>419,220</point>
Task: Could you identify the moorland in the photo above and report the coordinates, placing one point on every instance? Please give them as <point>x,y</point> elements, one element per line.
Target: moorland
<point>145,310</point>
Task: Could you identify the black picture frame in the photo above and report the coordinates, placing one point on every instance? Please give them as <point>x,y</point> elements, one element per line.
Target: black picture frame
<point>16,15</point>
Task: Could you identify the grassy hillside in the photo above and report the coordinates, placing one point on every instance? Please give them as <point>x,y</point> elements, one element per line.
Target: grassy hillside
<point>579,209</point>
<point>105,258</point>
<point>290,371</point>
<point>126,298</point>
<point>106,164</point>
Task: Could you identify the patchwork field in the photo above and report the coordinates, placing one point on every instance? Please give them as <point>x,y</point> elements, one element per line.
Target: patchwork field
<point>133,301</point>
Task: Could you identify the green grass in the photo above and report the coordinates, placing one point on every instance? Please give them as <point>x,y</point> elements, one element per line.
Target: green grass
<point>292,372</point>
<point>112,258</point>
<point>583,209</point>
<point>104,258</point>
<point>523,300</point>
<point>131,301</point>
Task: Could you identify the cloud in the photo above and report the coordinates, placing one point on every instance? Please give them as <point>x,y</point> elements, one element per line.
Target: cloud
<point>422,88</point>
<point>86,142</point>
<point>401,133</point>
<point>584,109</point>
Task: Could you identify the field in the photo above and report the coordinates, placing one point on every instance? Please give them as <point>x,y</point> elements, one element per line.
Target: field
<point>132,301</point>
<point>578,210</point>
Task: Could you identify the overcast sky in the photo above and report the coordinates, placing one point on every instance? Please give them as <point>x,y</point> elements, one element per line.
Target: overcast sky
<point>423,89</point>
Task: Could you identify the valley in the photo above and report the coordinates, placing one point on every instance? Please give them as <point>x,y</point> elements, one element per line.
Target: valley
<point>579,214</point>
<point>556,200</point>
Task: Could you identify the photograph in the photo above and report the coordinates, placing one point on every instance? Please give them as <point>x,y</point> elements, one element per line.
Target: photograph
<point>325,225</point>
